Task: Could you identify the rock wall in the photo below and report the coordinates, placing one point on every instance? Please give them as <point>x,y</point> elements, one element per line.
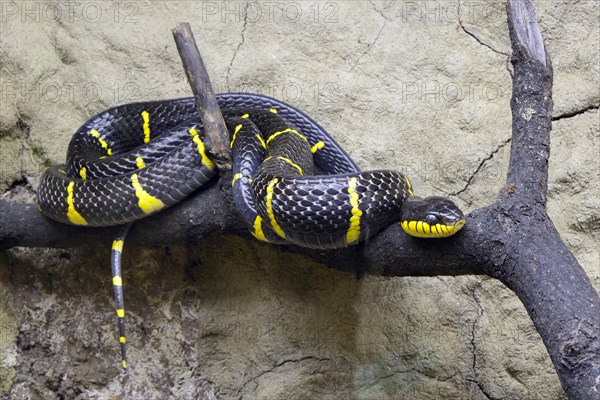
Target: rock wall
<point>423,87</point>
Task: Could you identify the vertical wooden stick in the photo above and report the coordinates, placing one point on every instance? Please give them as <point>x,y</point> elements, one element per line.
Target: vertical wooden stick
<point>215,130</point>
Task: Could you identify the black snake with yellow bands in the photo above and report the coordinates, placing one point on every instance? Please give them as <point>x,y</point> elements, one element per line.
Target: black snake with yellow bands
<point>134,160</point>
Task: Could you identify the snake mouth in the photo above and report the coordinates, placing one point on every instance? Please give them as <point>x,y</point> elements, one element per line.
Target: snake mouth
<point>422,229</point>
<point>458,225</point>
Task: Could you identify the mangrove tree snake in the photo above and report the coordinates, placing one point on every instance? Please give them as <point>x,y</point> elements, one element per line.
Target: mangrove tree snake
<point>133,160</point>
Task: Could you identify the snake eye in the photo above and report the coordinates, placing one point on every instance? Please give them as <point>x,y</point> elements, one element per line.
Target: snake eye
<point>431,219</point>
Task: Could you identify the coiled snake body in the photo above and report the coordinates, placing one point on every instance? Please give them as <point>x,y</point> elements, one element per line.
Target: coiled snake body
<point>131,161</point>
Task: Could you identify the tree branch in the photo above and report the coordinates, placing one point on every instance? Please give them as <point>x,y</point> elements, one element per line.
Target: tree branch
<point>531,104</point>
<point>512,239</point>
<point>216,135</point>
<point>212,210</point>
<point>534,262</point>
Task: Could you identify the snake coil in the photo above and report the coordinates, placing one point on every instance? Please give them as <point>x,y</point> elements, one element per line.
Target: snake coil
<point>134,160</point>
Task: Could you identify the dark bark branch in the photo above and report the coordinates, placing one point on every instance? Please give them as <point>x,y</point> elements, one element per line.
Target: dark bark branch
<point>211,210</point>
<point>560,299</point>
<point>531,104</point>
<point>512,240</point>
<point>525,33</point>
<point>215,131</point>
<point>534,262</point>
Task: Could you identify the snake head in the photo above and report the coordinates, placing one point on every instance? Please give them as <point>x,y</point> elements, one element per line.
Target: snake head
<point>431,217</point>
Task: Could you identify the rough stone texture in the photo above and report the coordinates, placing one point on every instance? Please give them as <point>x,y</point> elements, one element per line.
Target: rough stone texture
<point>405,85</point>
<point>8,330</point>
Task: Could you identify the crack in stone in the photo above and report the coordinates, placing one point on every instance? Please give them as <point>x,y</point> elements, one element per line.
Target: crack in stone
<point>378,10</point>
<point>23,126</point>
<point>370,45</point>
<point>471,293</point>
<point>480,166</point>
<point>481,389</point>
<point>480,41</point>
<point>575,113</point>
<point>394,373</point>
<point>235,52</point>
<point>278,365</point>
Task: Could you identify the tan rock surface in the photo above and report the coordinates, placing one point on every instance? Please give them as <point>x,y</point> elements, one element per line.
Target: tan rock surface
<point>405,85</point>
